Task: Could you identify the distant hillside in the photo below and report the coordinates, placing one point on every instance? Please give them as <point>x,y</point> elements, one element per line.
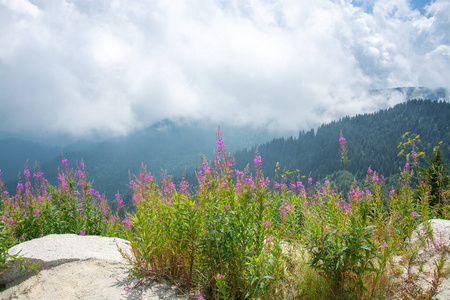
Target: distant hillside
<point>173,146</point>
<point>14,153</point>
<point>372,140</point>
<point>176,146</point>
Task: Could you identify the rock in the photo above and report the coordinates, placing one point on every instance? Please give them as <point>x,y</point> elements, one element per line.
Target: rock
<point>76,267</point>
<point>427,248</point>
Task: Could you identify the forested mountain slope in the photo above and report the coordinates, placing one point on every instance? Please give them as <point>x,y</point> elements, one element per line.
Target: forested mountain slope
<point>372,140</point>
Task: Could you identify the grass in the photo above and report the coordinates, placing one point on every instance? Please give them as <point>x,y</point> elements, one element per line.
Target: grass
<point>239,235</point>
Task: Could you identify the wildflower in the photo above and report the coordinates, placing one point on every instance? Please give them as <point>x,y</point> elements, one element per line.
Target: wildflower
<point>227,206</point>
<point>22,238</point>
<point>119,201</point>
<point>37,176</point>
<point>65,163</point>
<point>413,214</point>
<point>309,181</point>
<point>148,178</point>
<point>19,187</point>
<point>26,173</point>
<point>392,193</point>
<point>369,171</point>
<point>127,223</point>
<point>82,232</point>
<point>82,166</point>
<point>269,239</point>
<point>267,223</point>
<point>257,161</point>
<point>127,288</point>
<point>413,154</point>
<point>200,297</point>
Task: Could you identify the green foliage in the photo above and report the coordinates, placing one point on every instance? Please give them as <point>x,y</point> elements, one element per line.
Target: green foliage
<point>436,176</point>
<point>237,235</point>
<point>370,139</point>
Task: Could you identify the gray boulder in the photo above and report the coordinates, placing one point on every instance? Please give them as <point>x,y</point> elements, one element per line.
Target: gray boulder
<point>76,267</point>
<point>428,244</point>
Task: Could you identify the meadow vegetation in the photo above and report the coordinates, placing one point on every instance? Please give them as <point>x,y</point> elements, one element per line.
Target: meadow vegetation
<point>238,234</point>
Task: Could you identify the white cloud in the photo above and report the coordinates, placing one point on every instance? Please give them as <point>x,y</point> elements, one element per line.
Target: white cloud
<point>83,67</point>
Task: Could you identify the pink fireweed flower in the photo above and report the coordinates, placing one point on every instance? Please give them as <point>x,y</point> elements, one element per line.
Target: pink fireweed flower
<point>105,210</point>
<point>293,187</point>
<point>82,166</point>
<point>413,154</point>
<point>286,208</point>
<point>82,232</point>
<point>37,176</point>
<point>26,173</point>
<point>148,178</point>
<point>119,200</point>
<point>127,223</point>
<point>36,213</point>
<point>309,181</point>
<point>257,161</point>
<point>19,187</point>
<point>269,239</point>
<point>65,163</point>
<point>220,144</point>
<point>369,171</point>
<point>413,214</point>
<point>392,193</point>
<point>267,223</point>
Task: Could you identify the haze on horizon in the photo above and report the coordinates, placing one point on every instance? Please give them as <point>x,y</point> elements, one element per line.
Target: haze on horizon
<point>83,68</point>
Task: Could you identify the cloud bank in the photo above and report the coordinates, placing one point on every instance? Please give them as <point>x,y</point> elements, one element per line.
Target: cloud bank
<point>109,67</point>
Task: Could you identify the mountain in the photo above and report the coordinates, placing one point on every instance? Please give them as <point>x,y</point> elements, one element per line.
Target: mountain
<point>172,146</point>
<point>410,93</point>
<point>175,146</point>
<point>372,141</point>
<point>16,152</point>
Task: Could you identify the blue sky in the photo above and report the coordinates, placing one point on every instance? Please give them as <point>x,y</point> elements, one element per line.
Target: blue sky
<point>415,4</point>
<point>82,67</point>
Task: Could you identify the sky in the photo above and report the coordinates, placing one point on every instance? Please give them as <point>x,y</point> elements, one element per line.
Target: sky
<point>84,68</point>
